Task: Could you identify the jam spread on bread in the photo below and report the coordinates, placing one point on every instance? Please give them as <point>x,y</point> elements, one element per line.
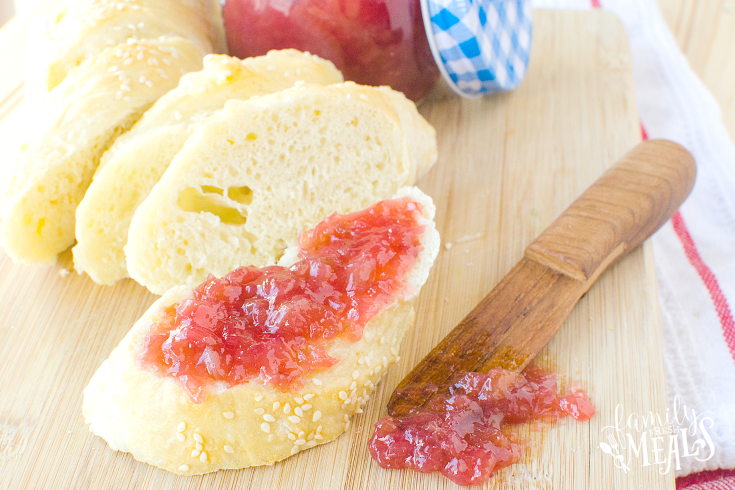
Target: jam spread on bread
<point>464,433</point>
<point>373,42</point>
<point>274,322</point>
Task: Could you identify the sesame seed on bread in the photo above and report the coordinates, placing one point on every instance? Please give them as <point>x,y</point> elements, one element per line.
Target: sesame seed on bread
<point>152,417</point>
<point>137,160</point>
<point>255,174</point>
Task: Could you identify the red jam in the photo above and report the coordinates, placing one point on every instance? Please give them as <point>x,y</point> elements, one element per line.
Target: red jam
<point>373,42</point>
<point>462,434</point>
<point>274,322</point>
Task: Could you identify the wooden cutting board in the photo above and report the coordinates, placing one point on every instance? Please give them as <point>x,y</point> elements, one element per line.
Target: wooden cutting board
<point>508,165</point>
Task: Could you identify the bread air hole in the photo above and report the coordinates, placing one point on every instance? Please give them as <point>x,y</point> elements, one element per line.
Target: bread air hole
<point>243,195</point>
<point>280,249</point>
<point>41,224</point>
<point>196,200</point>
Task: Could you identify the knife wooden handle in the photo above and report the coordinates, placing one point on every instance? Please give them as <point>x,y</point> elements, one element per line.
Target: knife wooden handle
<point>528,306</point>
<point>618,212</point>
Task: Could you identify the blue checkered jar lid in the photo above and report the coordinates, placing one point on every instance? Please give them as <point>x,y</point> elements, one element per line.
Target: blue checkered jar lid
<point>480,46</point>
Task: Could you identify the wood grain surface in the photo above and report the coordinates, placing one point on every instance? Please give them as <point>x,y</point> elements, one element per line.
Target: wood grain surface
<point>511,325</point>
<point>509,164</point>
<point>705,32</point>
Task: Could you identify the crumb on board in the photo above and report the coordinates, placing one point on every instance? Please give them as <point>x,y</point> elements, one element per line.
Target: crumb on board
<point>63,272</point>
<point>469,238</point>
<point>464,239</point>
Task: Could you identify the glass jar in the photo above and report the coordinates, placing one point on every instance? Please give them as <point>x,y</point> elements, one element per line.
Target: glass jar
<point>480,46</point>
<point>373,42</point>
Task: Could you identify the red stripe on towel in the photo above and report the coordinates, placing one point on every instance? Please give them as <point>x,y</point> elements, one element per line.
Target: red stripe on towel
<point>724,313</point>
<point>708,278</point>
<point>707,480</point>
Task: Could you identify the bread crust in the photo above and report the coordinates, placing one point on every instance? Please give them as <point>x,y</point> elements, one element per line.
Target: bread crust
<point>251,424</point>
<point>137,160</point>
<point>420,135</point>
<point>81,118</point>
<point>82,29</point>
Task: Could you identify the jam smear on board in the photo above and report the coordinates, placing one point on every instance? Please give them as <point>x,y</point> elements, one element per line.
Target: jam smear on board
<point>461,433</point>
<point>274,322</point>
<point>373,42</point>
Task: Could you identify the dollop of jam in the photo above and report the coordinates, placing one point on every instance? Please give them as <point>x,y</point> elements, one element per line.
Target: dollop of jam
<point>464,433</point>
<point>274,322</point>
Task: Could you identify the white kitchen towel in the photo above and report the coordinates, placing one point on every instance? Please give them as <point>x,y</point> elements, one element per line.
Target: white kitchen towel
<point>695,251</point>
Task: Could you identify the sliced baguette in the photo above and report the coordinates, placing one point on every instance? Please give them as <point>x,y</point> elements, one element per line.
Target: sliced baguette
<point>420,135</point>
<point>81,118</point>
<point>85,28</point>
<point>152,417</point>
<point>255,174</point>
<point>135,163</point>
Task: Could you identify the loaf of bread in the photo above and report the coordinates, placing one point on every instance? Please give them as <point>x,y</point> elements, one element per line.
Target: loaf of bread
<point>85,28</point>
<point>137,160</point>
<point>81,118</point>
<point>257,173</point>
<point>152,417</point>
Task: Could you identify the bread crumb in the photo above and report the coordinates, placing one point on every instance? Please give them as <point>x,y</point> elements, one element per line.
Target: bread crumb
<point>448,246</point>
<point>469,238</point>
<point>64,272</point>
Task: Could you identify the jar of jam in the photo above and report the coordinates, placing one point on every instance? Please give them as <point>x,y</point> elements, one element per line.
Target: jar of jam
<point>479,46</point>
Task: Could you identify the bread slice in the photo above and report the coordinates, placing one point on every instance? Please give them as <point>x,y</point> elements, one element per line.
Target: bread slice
<point>81,118</point>
<point>420,135</point>
<point>85,28</point>
<point>249,424</point>
<point>255,174</point>
<point>135,163</point>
